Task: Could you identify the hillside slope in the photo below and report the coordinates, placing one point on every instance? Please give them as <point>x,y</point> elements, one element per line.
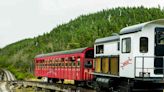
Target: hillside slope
<point>81,32</point>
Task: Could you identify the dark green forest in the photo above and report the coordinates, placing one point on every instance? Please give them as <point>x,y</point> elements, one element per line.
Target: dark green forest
<point>80,32</point>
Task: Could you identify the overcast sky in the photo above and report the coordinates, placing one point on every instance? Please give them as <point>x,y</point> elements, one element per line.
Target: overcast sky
<point>20,19</point>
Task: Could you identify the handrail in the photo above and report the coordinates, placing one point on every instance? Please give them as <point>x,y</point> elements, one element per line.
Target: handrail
<point>143,64</point>
<point>149,56</point>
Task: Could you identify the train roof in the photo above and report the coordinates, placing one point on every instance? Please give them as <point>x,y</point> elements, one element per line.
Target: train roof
<point>107,39</point>
<point>139,27</point>
<point>79,50</point>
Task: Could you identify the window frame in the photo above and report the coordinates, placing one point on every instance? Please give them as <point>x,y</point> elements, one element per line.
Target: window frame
<point>98,52</point>
<point>157,38</point>
<point>146,51</point>
<point>118,46</point>
<point>126,45</point>
<point>78,61</point>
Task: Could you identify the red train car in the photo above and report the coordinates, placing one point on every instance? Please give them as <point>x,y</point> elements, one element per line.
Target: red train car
<point>76,64</point>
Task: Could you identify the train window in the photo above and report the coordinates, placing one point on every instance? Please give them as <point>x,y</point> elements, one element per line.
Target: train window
<point>41,65</point>
<point>78,64</point>
<point>62,64</point>
<point>89,54</point>
<point>78,58</point>
<point>53,63</point>
<point>72,58</point>
<point>126,45</point>
<point>160,38</point>
<point>56,63</point>
<point>78,61</point>
<point>143,44</point>
<point>74,64</point>
<point>66,64</point>
<point>88,64</point>
<point>59,64</point>
<point>70,64</point>
<point>49,65</point>
<point>62,60</point>
<point>99,49</point>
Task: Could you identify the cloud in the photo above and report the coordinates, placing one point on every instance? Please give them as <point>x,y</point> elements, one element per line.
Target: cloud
<point>9,3</point>
<point>5,23</point>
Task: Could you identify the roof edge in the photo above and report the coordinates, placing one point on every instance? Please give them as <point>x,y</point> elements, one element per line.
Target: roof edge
<point>138,27</point>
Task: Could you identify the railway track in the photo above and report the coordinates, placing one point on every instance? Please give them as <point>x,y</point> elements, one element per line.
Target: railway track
<point>6,76</point>
<point>10,80</point>
<point>9,76</point>
<point>52,86</point>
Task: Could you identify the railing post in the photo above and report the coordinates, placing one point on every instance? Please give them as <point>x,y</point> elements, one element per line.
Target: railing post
<point>135,67</point>
<point>142,67</point>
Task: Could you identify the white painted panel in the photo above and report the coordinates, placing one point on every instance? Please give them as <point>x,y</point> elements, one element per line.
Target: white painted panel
<point>110,48</point>
<point>148,31</point>
<point>127,62</point>
<point>126,59</point>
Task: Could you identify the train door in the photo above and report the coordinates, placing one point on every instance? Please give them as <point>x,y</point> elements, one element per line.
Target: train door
<point>126,67</point>
<point>88,64</point>
<point>159,50</point>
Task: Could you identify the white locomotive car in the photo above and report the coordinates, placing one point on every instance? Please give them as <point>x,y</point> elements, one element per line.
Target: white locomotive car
<point>136,55</point>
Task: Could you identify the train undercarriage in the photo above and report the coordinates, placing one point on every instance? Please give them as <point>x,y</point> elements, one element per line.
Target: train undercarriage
<point>115,84</point>
<point>90,83</point>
